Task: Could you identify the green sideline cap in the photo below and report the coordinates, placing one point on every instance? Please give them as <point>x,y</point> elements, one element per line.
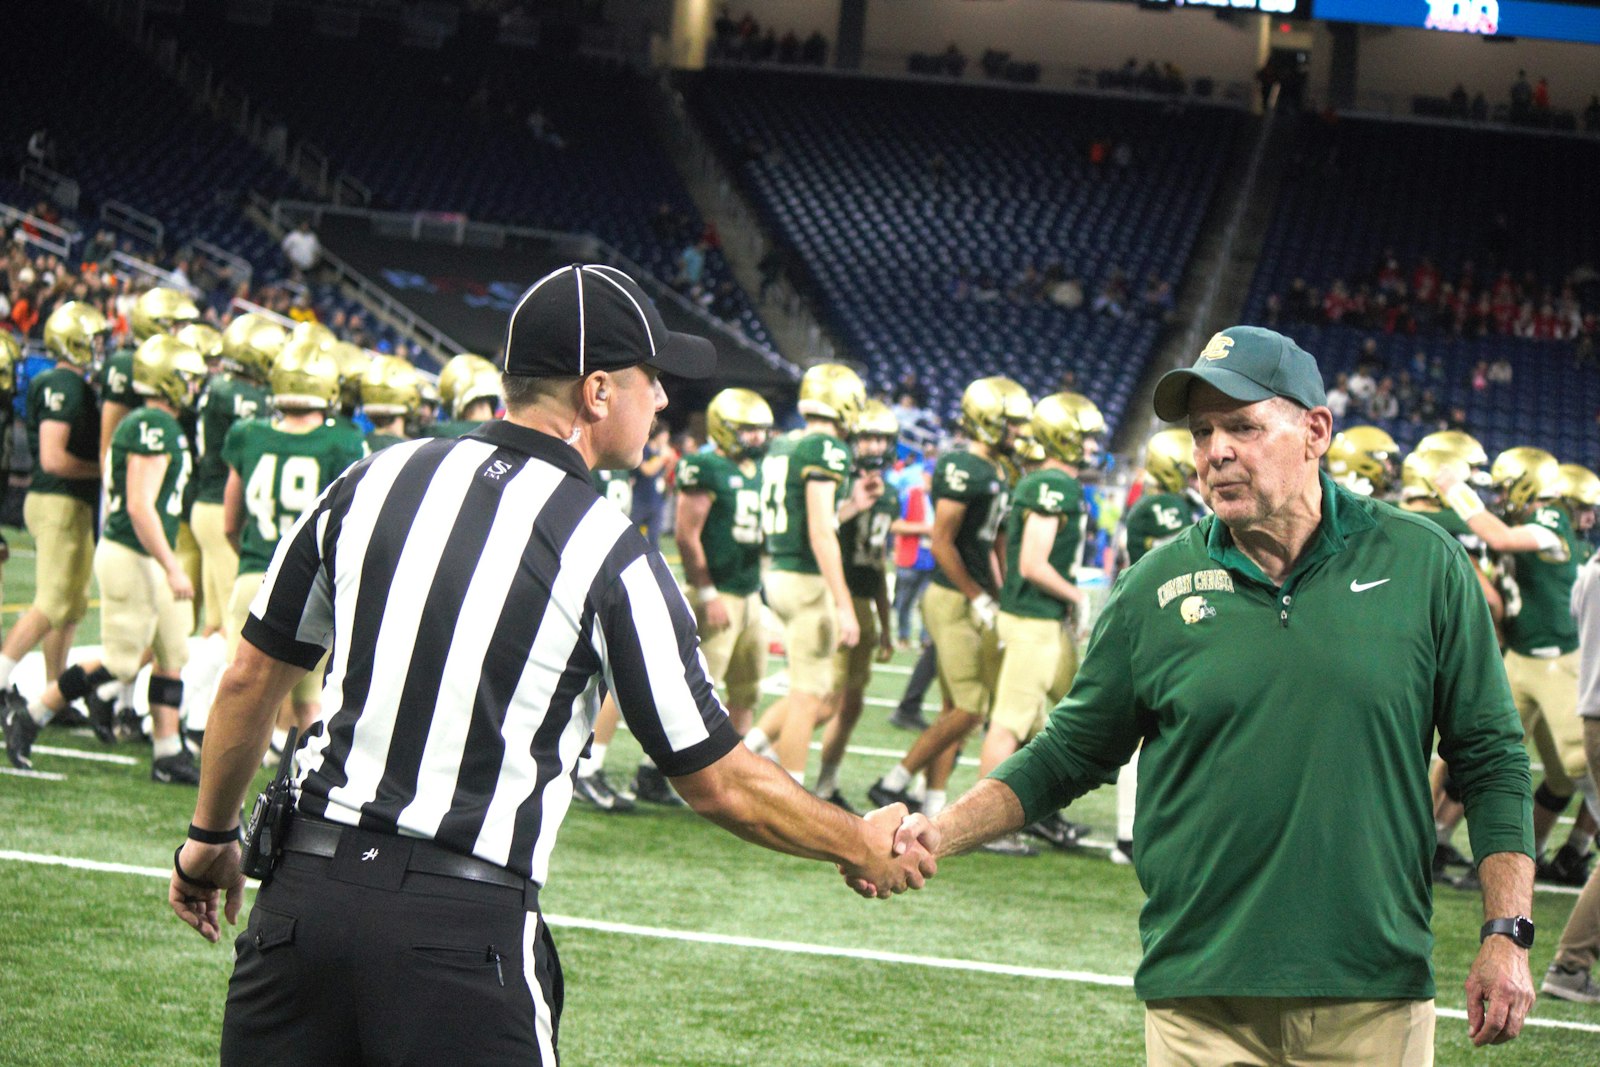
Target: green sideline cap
<point>1248,363</point>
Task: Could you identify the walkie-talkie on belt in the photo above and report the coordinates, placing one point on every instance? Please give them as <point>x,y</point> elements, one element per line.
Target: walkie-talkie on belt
<point>269,819</point>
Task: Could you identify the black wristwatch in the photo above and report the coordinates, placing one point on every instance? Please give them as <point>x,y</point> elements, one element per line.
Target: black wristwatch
<point>1518,929</point>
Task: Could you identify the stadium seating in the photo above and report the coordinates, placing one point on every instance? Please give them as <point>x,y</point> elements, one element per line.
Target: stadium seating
<point>1360,187</point>
<point>414,127</point>
<point>840,170</point>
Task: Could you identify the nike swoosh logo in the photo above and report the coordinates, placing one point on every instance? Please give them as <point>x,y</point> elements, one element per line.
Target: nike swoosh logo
<point>1362,587</point>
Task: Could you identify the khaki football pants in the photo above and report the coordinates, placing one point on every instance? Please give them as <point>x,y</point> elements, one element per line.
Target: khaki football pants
<point>63,538</point>
<point>737,655</point>
<point>219,563</point>
<point>138,611</point>
<point>1546,695</point>
<point>307,690</point>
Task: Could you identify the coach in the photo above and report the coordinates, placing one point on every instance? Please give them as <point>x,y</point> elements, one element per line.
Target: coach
<point>1285,663</point>
<point>475,593</point>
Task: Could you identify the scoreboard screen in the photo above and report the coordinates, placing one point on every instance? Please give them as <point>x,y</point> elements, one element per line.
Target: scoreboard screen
<point>1549,19</point>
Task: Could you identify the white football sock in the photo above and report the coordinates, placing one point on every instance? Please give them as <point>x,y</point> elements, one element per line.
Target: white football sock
<point>933,803</point>
<point>163,747</point>
<point>827,780</point>
<point>7,665</point>
<point>40,712</point>
<point>897,778</point>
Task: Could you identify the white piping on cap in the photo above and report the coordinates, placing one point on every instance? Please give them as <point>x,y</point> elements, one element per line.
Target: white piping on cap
<point>582,329</point>
<point>643,318</point>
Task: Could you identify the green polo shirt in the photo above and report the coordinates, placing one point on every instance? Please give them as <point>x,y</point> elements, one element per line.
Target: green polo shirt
<point>1285,830</point>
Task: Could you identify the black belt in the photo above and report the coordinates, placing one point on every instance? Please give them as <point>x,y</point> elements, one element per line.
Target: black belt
<point>318,837</point>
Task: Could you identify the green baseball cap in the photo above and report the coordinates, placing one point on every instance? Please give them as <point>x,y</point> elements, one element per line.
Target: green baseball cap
<point>1248,363</point>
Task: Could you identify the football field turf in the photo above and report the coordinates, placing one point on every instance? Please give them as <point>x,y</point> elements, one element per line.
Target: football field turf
<point>680,944</point>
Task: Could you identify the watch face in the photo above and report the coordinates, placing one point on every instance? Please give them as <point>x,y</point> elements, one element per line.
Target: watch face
<point>1524,934</point>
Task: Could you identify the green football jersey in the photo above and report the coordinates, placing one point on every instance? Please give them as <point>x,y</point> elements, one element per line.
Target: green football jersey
<point>980,485</point>
<point>865,542</point>
<point>61,395</point>
<point>1045,492</point>
<point>790,465</point>
<point>615,486</point>
<point>227,399</point>
<point>147,431</point>
<point>1544,584</point>
<point>116,380</point>
<point>731,536</point>
<point>451,428</point>
<point>1155,519</point>
<point>377,442</point>
<point>283,474</point>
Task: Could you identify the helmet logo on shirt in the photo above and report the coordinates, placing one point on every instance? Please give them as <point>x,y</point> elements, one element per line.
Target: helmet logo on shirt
<point>1217,347</point>
<point>1195,609</point>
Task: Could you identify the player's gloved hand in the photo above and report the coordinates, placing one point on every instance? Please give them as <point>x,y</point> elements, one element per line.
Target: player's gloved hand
<point>985,612</point>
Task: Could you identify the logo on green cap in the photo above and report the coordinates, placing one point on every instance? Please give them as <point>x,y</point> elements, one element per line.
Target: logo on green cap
<point>1217,347</point>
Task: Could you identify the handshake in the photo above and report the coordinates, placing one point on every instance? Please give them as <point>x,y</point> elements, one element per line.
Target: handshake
<point>902,853</point>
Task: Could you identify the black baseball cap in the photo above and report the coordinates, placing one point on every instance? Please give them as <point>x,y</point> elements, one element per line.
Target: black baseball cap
<point>588,317</point>
<point>1248,363</point>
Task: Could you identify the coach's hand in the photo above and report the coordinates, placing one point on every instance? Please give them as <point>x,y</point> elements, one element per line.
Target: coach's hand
<point>1499,991</point>
<point>213,869</point>
<point>895,867</point>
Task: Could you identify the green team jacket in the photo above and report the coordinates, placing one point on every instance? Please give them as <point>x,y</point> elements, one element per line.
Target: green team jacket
<point>1285,831</point>
<point>731,537</point>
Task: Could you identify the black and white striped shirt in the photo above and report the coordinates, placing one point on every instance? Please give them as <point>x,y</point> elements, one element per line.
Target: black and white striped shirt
<point>474,592</point>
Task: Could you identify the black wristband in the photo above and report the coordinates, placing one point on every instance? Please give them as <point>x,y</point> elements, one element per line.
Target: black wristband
<point>183,874</point>
<point>213,837</point>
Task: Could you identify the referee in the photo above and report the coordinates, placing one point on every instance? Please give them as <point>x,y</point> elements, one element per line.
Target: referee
<point>476,593</point>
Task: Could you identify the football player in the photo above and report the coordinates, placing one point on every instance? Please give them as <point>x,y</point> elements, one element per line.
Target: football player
<point>802,505</point>
<point>239,391</point>
<point>1364,459</point>
<point>1041,606</point>
<point>277,469</point>
<point>970,493</point>
<point>469,389</point>
<point>391,396</point>
<point>146,597</point>
<point>1540,553</point>
<point>156,311</point>
<point>353,363</point>
<point>63,437</point>
<point>1170,502</point>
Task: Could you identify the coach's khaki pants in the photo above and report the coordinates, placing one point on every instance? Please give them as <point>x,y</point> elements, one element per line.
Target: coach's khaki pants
<point>1284,1031</point>
<point>138,611</point>
<point>1546,694</point>
<point>736,655</point>
<point>63,539</point>
<point>219,563</point>
<point>308,689</point>
<point>1580,940</point>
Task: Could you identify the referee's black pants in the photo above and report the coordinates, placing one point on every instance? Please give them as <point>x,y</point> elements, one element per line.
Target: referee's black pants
<point>436,971</point>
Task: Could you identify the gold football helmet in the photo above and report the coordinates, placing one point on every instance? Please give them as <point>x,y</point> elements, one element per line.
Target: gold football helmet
<point>730,414</point>
<point>202,337</point>
<point>1169,459</point>
<point>314,332</point>
<point>353,362</point>
<point>1362,458</point>
<point>166,367</point>
<point>1028,450</point>
<point>989,405</point>
<point>1524,475</point>
<point>833,391</point>
<point>1419,473</point>
<point>1063,423</point>
<point>305,376</point>
<point>1457,443</point>
<point>1577,486</point>
<point>457,372</point>
<point>875,421</point>
<point>74,333</point>
<point>10,356</point>
<point>161,310</point>
<point>484,385</point>
<point>390,387</point>
<point>250,344</point>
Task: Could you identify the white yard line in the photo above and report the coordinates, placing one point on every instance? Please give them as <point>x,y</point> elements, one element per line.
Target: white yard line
<point>93,757</point>
<point>734,941</point>
<point>43,776</point>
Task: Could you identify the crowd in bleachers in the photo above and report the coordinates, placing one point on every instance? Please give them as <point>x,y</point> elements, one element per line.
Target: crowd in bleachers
<point>1526,104</point>
<point>745,40</point>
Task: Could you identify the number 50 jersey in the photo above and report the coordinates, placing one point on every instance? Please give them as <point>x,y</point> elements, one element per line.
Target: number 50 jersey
<point>283,474</point>
<point>731,536</point>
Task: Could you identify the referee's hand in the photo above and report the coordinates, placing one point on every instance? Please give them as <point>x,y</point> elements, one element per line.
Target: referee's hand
<point>211,869</point>
<point>896,866</point>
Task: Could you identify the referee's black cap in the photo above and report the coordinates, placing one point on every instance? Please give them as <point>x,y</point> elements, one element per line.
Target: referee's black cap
<point>589,317</point>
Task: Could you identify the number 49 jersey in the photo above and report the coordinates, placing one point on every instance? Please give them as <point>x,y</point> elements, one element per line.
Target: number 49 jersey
<point>731,536</point>
<point>146,432</point>
<point>791,463</point>
<point>283,474</point>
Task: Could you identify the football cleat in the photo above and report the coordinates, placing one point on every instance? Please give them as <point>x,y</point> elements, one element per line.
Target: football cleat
<point>102,718</point>
<point>908,719</point>
<point>837,799</point>
<point>68,718</point>
<point>180,769</point>
<point>1567,867</point>
<point>596,792</point>
<point>1009,845</point>
<point>651,786</point>
<point>1057,831</point>
<point>21,731</point>
<point>882,796</point>
<point>1122,854</point>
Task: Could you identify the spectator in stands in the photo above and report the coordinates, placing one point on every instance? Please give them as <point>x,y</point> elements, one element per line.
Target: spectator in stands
<point>97,252</point>
<point>954,60</point>
<point>1112,298</point>
<point>1157,299</point>
<point>1458,101</point>
<point>25,313</point>
<point>1339,397</point>
<point>1591,115</point>
<point>1499,372</point>
<point>1383,405</point>
<point>1541,97</point>
<point>1457,419</point>
<point>1300,303</point>
<point>1067,293</point>
<point>302,249</point>
<point>539,125</point>
<point>42,147</point>
<point>1521,97</point>
<point>691,267</point>
<point>1361,384</point>
<point>1480,107</point>
<point>1428,407</point>
<point>815,50</point>
<point>1480,376</point>
<point>789,48</point>
<point>1122,155</point>
<point>911,386</point>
